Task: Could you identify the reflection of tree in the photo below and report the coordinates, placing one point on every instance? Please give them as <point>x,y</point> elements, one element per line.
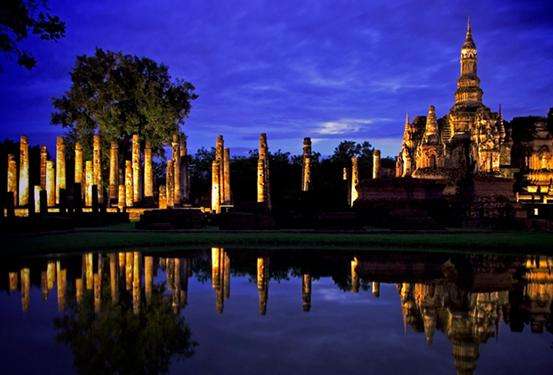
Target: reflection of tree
<point>116,340</point>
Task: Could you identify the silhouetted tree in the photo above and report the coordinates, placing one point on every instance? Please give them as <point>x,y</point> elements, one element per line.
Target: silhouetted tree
<point>18,19</point>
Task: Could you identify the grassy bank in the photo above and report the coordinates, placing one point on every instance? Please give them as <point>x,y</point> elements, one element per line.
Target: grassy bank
<point>125,237</point>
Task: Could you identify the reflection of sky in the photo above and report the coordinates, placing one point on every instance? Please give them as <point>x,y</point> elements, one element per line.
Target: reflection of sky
<point>293,69</point>
<point>343,333</point>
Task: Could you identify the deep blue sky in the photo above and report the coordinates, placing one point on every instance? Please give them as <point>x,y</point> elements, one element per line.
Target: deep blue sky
<point>330,70</point>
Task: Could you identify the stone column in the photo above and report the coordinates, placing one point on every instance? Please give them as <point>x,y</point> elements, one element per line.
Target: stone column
<point>89,181</point>
<point>376,164</point>
<point>43,159</point>
<point>169,183</point>
<point>227,198</point>
<point>148,171</point>
<point>79,165</point>
<point>121,197</point>
<point>306,165</point>
<point>12,177</point>
<point>354,180</point>
<point>50,183</point>
<point>219,156</point>
<point>60,167</point>
<point>113,171</point>
<point>137,197</point>
<point>175,145</point>
<point>263,181</point>
<point>215,187</point>
<point>97,166</point>
<point>185,178</point>
<point>129,190</point>
<point>23,171</point>
<point>162,199</point>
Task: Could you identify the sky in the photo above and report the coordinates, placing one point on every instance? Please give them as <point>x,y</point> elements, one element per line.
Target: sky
<point>329,70</point>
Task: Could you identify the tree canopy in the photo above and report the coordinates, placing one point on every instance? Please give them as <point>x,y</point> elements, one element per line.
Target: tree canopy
<point>118,95</point>
<point>21,18</point>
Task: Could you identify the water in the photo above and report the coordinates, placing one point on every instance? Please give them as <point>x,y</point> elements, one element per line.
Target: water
<point>221,311</point>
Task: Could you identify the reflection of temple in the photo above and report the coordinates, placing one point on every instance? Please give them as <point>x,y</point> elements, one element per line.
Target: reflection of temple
<point>220,276</point>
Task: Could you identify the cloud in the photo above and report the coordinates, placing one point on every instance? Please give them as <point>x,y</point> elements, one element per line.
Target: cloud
<point>343,126</point>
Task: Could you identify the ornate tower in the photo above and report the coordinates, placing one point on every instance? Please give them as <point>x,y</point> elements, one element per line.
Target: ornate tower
<point>468,91</point>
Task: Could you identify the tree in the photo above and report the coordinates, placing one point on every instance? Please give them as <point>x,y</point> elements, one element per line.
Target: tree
<point>119,95</point>
<point>18,19</point>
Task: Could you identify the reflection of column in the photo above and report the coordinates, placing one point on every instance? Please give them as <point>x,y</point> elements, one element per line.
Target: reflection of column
<point>43,159</point>
<point>50,183</point>
<point>12,276</point>
<point>306,291</point>
<point>148,277</point>
<point>129,261</point>
<point>215,187</point>
<point>136,283</point>
<point>97,293</point>
<point>354,275</point>
<point>113,171</point>
<point>226,275</point>
<point>43,285</point>
<point>12,177</point>
<point>23,171</point>
<point>129,191</point>
<point>79,290</point>
<point>148,171</point>
<point>185,275</point>
<point>61,285</point>
<point>89,181</point>
<point>25,288</point>
<point>50,274</point>
<point>176,173</point>
<point>375,287</point>
<point>216,280</point>
<point>113,278</point>
<point>169,183</point>
<point>263,283</point>
<point>136,168</point>
<point>89,270</point>
<point>354,180</point>
<point>97,165</point>
<point>176,286</point>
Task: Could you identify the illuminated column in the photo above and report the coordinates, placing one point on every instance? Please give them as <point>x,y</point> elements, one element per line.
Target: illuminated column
<point>61,285</point>
<point>121,197</point>
<point>306,165</point>
<point>169,181</point>
<point>354,180</point>
<point>79,288</point>
<point>12,177</point>
<point>162,199</point>
<point>113,278</point>
<point>219,156</point>
<point>375,288</point>
<point>136,283</point>
<point>89,181</point>
<point>89,270</point>
<point>23,171</point>
<point>148,277</point>
<point>354,275</point>
<point>25,288</point>
<point>79,165</point>
<point>129,191</point>
<point>215,187</point>
<point>43,159</point>
<point>13,278</point>
<point>50,183</point>
<point>185,178</point>
<point>97,165</point>
<point>148,171</point>
<point>227,198</point>
<point>306,292</point>
<point>262,283</point>
<point>376,164</point>
<point>263,180</point>
<point>60,166</point>
<point>113,171</point>
<point>176,166</point>
<point>136,168</point>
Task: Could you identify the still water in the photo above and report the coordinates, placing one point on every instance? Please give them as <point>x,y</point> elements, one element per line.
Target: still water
<point>222,311</point>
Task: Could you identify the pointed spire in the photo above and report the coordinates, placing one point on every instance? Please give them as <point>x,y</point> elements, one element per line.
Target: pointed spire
<point>469,29</point>
<point>406,118</point>
<point>469,42</point>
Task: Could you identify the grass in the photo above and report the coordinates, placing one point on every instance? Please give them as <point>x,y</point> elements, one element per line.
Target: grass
<point>126,237</point>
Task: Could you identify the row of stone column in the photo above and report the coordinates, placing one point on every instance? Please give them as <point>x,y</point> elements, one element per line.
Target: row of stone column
<point>221,193</point>
<point>376,172</point>
<point>177,179</point>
